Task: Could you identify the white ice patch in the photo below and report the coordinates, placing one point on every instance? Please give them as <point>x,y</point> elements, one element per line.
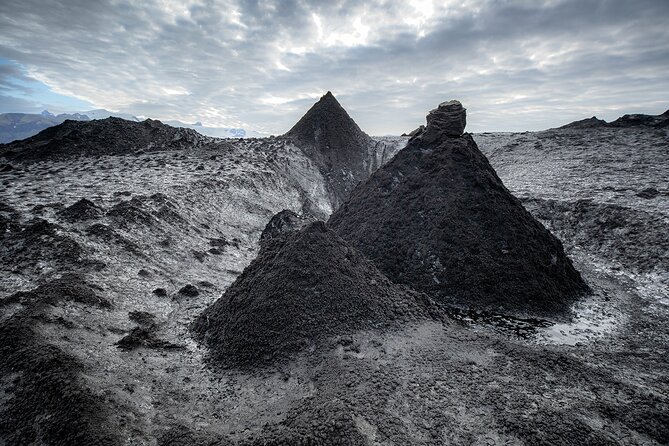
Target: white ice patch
<point>593,319</point>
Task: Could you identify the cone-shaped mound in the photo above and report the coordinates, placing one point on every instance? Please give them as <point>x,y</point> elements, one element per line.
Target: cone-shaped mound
<point>438,218</point>
<point>328,135</point>
<point>110,136</point>
<point>304,287</point>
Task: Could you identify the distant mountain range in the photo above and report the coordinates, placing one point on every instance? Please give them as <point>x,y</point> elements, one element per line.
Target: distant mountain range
<point>16,126</point>
<point>634,120</point>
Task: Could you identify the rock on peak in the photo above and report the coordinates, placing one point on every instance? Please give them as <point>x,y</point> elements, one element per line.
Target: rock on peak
<point>448,119</point>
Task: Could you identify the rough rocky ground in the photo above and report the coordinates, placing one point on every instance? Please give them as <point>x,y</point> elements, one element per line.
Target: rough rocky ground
<point>172,218</point>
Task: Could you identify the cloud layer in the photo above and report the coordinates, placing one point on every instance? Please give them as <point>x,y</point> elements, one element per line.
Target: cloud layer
<point>516,65</point>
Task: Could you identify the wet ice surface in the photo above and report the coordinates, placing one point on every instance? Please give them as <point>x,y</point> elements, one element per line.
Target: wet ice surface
<point>475,382</point>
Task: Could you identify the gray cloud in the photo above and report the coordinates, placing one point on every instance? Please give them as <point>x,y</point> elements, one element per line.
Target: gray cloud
<point>516,65</point>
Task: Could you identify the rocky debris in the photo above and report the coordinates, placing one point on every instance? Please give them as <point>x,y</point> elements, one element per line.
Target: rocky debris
<point>314,422</point>
<point>218,243</point>
<point>438,218</point>
<point>648,193</point>
<point>145,336</point>
<point>145,211</point>
<point>335,143</point>
<point>131,212</point>
<point>109,235</point>
<point>633,238</point>
<point>82,210</point>
<point>39,241</point>
<point>589,123</point>
<point>183,436</point>
<point>50,401</point>
<point>160,292</point>
<point>449,119</point>
<point>189,291</point>
<point>110,136</point>
<point>415,131</point>
<point>199,255</point>
<point>69,287</point>
<point>303,288</point>
<point>6,167</point>
<point>641,120</point>
<point>284,221</point>
<point>9,219</point>
<point>143,318</point>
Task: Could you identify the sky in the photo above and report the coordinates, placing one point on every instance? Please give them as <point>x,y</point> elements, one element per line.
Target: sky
<point>515,65</point>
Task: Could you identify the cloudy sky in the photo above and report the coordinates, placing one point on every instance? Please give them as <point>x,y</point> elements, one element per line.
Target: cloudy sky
<point>515,65</point>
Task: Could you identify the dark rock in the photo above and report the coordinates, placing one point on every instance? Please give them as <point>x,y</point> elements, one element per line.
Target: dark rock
<point>303,287</point>
<point>416,131</point>
<point>143,318</point>
<point>143,273</point>
<point>145,337</point>
<point>82,210</point>
<point>447,120</point>
<point>589,123</point>
<point>161,292</point>
<point>648,193</point>
<point>189,291</point>
<point>199,255</point>
<point>641,120</point>
<point>220,242</point>
<point>282,222</point>
<point>438,218</point>
<point>6,167</point>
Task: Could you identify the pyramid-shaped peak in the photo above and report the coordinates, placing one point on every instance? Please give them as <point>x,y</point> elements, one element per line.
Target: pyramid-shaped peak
<point>325,116</point>
<point>332,139</point>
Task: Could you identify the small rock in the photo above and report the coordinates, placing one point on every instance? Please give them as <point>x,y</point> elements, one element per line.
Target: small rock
<point>648,193</point>
<point>189,290</point>
<point>161,292</point>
